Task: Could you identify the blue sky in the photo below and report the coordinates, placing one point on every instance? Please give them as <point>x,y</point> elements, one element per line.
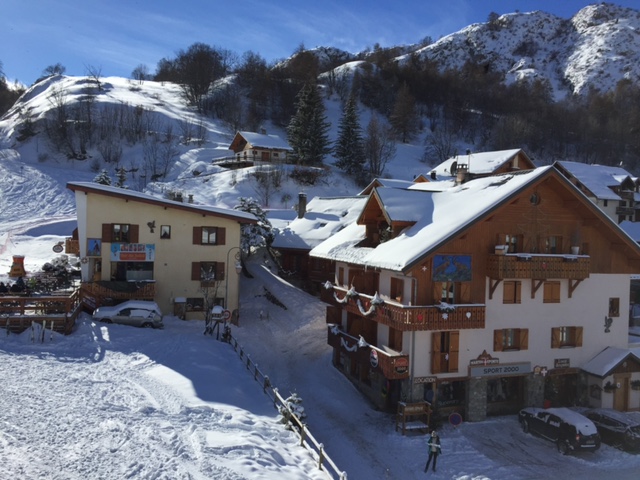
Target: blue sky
<point>118,35</point>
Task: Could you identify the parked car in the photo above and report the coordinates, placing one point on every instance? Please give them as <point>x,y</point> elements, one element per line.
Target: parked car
<point>568,429</point>
<point>618,429</point>
<point>138,313</point>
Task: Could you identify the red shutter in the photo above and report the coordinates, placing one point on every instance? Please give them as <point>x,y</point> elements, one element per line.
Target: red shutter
<point>195,271</point>
<point>197,235</point>
<point>220,270</point>
<point>497,340</point>
<point>524,339</point>
<point>221,236</point>
<point>555,338</point>
<point>107,230</point>
<point>134,233</point>
<point>435,352</point>
<point>454,351</point>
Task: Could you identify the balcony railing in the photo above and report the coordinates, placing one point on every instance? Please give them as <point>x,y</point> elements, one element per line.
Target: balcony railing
<point>625,211</point>
<point>539,266</point>
<point>394,365</point>
<point>408,318</point>
<point>96,294</point>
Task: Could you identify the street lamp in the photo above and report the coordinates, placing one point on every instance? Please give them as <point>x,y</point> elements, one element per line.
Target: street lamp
<point>238,266</point>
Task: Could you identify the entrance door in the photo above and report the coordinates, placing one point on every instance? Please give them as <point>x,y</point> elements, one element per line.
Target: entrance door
<point>621,395</point>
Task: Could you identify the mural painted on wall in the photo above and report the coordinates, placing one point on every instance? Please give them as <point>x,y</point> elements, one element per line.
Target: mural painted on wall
<point>452,268</point>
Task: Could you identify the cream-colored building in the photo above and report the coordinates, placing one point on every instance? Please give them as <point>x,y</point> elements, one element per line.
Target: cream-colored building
<point>176,253</point>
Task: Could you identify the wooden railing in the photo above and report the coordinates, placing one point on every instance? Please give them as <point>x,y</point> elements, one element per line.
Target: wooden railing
<point>325,463</point>
<point>539,267</point>
<point>394,365</point>
<point>71,246</point>
<point>409,318</point>
<point>57,312</point>
<point>96,294</point>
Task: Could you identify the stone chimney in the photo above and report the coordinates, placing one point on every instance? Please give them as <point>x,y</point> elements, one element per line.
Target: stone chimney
<point>302,204</point>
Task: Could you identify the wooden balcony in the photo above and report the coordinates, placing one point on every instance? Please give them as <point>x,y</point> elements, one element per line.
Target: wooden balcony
<point>538,267</point>
<point>408,318</point>
<point>71,247</point>
<point>392,364</point>
<point>96,294</point>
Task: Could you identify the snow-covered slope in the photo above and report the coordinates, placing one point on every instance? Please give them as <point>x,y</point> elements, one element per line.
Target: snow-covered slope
<point>596,49</point>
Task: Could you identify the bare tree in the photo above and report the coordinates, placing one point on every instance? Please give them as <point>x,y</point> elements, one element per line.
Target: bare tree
<point>57,69</point>
<point>140,73</point>
<point>379,146</point>
<point>95,73</point>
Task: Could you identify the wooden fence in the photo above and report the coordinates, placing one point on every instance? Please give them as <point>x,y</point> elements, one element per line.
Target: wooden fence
<point>17,313</point>
<point>306,439</point>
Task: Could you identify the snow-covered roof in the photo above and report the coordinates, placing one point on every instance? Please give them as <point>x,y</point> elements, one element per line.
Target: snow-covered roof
<point>632,229</point>
<point>598,179</point>
<point>108,190</point>
<point>481,163</point>
<point>262,140</point>
<point>324,217</point>
<point>394,202</point>
<point>437,215</point>
<point>603,363</point>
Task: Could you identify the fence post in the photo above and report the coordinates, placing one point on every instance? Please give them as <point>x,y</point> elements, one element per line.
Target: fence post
<point>248,361</point>
<point>275,398</point>
<point>255,375</point>
<point>302,434</point>
<point>320,456</point>
<point>266,384</point>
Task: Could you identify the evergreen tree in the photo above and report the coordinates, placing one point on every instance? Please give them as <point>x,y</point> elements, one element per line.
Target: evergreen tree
<point>121,177</point>
<point>349,147</point>
<point>103,178</point>
<point>258,235</point>
<point>307,131</point>
<point>404,118</point>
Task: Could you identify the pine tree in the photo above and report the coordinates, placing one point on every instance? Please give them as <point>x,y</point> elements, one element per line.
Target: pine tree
<point>349,147</point>
<point>103,178</point>
<point>404,118</point>
<point>121,177</point>
<point>258,235</point>
<point>307,131</point>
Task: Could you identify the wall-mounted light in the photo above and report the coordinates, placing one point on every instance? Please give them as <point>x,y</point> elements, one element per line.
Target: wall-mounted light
<point>151,225</point>
<point>607,324</point>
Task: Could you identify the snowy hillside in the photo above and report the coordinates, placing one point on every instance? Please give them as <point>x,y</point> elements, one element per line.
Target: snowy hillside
<point>33,175</point>
<point>596,49</point>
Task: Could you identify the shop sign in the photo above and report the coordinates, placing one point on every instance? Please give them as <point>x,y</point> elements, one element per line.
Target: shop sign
<point>420,380</point>
<point>499,370</point>
<point>401,365</point>
<point>561,363</point>
<point>373,358</point>
<point>133,252</point>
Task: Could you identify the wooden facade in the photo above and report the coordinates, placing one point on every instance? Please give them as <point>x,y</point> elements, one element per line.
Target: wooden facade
<point>544,236</point>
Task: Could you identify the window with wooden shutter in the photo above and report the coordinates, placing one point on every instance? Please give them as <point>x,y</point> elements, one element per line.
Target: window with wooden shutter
<point>566,337</point>
<point>511,291</point>
<point>512,339</point>
<point>445,352</point>
<point>209,235</point>
<point>207,272</point>
<point>551,292</point>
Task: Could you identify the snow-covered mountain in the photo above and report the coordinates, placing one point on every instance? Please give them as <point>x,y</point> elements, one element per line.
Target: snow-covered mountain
<point>596,48</point>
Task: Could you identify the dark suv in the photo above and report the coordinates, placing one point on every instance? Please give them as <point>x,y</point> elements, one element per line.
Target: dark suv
<point>569,430</point>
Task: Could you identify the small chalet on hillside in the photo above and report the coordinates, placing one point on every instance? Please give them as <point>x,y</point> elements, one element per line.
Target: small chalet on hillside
<point>480,164</point>
<point>471,294</point>
<point>134,245</point>
<point>250,148</point>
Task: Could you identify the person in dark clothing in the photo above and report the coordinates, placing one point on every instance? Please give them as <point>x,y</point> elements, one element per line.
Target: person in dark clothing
<point>3,288</point>
<point>434,450</point>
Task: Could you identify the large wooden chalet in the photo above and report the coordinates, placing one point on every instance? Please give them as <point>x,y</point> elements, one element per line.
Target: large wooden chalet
<point>482,296</point>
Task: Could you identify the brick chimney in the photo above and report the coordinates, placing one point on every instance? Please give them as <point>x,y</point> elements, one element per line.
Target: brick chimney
<point>302,204</point>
